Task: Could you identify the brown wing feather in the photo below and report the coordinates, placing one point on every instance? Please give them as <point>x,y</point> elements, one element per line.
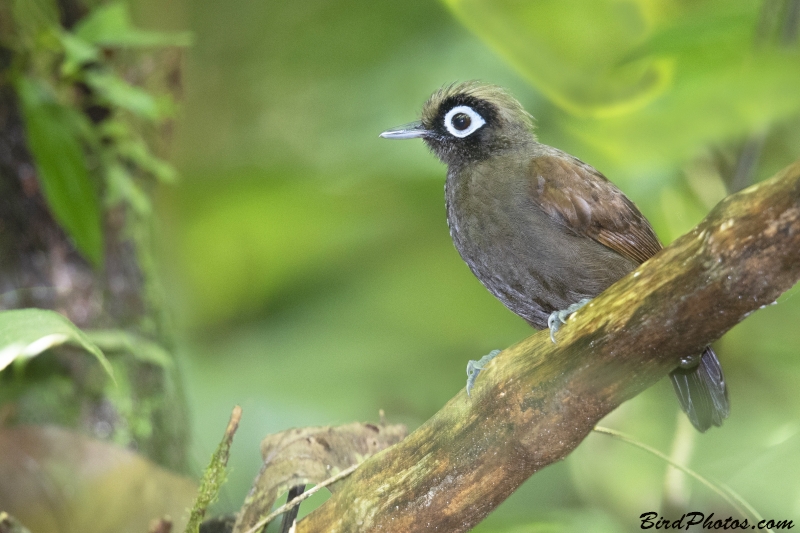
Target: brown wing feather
<point>578,197</point>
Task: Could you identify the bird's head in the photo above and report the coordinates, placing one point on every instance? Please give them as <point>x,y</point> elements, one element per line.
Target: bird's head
<point>469,121</point>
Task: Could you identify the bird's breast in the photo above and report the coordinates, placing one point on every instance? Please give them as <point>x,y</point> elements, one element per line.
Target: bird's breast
<point>528,261</point>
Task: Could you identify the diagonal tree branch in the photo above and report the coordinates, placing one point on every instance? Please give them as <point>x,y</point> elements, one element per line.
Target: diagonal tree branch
<point>537,401</point>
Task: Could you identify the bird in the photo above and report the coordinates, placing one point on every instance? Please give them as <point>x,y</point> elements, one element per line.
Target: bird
<point>543,231</point>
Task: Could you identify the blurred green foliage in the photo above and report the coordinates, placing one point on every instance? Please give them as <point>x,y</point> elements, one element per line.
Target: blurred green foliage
<point>61,165</point>
<point>85,123</point>
<point>25,333</point>
<point>647,82</point>
<point>312,265</point>
<point>89,120</point>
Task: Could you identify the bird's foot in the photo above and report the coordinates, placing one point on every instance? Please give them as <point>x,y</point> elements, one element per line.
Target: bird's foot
<point>557,318</point>
<point>474,368</point>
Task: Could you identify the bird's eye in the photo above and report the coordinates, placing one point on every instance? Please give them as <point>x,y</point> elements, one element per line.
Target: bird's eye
<point>462,120</point>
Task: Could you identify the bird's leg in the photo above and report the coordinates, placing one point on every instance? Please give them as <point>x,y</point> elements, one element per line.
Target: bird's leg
<point>474,368</point>
<point>557,318</point>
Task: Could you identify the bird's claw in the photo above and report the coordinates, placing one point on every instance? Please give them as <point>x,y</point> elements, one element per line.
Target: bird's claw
<point>553,325</point>
<point>474,368</point>
<point>557,318</point>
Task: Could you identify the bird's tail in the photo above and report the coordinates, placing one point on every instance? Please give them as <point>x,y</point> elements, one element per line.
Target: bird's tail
<point>702,391</point>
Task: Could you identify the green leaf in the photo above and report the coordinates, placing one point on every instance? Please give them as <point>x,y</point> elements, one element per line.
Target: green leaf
<point>61,167</point>
<point>573,51</point>
<point>123,189</point>
<point>25,333</point>
<point>116,340</point>
<point>137,152</point>
<point>110,26</point>
<point>730,29</point>
<point>644,82</point>
<point>77,53</point>
<point>120,93</point>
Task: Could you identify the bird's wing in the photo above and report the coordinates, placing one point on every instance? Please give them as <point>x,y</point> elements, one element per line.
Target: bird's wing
<point>579,198</point>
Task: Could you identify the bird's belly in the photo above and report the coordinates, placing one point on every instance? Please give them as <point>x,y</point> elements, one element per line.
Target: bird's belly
<point>532,265</point>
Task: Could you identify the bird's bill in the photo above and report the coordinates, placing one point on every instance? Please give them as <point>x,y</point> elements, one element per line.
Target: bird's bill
<point>411,130</point>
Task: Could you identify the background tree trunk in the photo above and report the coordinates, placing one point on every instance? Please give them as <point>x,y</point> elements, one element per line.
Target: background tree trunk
<point>41,267</point>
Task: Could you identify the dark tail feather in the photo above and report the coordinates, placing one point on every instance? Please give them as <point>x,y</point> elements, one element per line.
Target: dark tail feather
<point>702,392</point>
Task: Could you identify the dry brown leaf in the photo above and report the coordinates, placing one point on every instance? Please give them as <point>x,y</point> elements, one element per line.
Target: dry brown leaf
<point>307,456</point>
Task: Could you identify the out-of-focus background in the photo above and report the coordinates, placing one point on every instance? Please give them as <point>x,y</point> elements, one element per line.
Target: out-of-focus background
<point>308,263</point>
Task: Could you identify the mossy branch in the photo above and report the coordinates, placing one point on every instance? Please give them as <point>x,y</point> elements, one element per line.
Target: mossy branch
<point>537,401</point>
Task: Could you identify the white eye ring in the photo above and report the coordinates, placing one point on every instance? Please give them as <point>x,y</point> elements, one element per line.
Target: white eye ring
<point>476,121</point>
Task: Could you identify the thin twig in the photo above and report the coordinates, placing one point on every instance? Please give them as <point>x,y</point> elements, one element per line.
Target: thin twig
<point>733,499</point>
<point>289,505</point>
<point>744,502</point>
